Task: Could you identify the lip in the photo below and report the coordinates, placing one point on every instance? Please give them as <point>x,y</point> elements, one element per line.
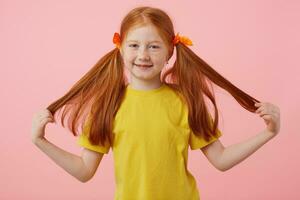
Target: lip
<point>143,65</point>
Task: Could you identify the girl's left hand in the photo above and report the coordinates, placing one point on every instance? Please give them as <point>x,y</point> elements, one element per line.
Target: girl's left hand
<point>271,114</point>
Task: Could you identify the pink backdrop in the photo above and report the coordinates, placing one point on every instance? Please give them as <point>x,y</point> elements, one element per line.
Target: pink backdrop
<point>46,46</point>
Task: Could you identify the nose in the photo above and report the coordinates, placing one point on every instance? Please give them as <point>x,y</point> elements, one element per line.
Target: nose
<point>143,54</point>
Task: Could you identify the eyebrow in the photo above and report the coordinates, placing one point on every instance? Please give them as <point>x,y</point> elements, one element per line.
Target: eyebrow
<point>149,42</point>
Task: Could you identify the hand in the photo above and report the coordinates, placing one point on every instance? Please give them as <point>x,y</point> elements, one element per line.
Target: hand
<point>40,119</point>
<point>271,114</point>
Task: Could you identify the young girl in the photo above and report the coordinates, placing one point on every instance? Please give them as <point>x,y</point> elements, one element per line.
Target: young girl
<point>150,122</point>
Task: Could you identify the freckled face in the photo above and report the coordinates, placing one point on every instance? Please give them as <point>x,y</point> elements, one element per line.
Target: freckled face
<point>144,53</point>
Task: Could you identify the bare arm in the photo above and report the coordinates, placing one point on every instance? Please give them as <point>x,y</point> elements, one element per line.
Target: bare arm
<point>224,158</point>
<point>81,167</point>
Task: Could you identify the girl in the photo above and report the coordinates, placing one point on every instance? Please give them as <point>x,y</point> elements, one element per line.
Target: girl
<point>150,121</point>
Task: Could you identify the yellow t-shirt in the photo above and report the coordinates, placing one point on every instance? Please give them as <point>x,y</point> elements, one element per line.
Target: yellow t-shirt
<point>150,148</point>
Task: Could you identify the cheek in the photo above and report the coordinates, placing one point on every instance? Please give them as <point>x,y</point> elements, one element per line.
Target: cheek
<point>129,58</point>
<point>128,62</point>
<point>159,59</point>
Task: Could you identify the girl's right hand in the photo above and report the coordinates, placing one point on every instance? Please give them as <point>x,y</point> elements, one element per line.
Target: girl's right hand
<point>39,122</point>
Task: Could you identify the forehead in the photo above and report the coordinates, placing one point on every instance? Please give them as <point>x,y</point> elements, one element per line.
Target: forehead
<point>146,33</point>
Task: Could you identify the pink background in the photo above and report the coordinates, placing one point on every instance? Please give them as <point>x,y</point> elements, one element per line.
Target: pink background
<point>46,46</point>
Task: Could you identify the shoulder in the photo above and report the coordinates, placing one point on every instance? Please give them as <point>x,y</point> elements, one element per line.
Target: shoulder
<point>176,95</point>
<point>175,102</point>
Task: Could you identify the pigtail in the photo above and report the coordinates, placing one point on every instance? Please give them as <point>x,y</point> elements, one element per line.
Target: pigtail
<point>98,95</point>
<point>194,77</point>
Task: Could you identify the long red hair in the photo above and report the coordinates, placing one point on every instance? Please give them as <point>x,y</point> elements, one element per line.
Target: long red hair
<point>99,93</point>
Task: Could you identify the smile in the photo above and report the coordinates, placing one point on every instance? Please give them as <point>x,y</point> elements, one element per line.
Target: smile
<point>144,66</point>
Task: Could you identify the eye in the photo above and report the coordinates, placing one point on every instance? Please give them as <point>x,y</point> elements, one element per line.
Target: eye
<point>155,46</point>
<point>132,45</point>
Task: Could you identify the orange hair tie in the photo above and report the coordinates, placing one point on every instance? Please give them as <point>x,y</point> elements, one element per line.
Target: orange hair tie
<point>177,38</point>
<point>182,39</point>
<point>117,40</point>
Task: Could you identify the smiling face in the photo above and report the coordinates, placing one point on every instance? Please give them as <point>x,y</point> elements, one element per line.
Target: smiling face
<point>144,54</point>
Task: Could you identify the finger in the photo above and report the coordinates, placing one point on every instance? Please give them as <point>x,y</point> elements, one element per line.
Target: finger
<point>267,117</point>
<point>43,116</point>
<point>276,115</point>
<point>274,112</point>
<point>260,109</point>
<point>48,111</point>
<point>44,121</point>
<point>257,110</point>
<point>257,104</point>
<point>264,113</point>
<point>51,118</point>
<point>48,119</point>
<point>275,109</point>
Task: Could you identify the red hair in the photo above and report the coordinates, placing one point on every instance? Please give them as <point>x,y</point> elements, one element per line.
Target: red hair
<point>99,93</point>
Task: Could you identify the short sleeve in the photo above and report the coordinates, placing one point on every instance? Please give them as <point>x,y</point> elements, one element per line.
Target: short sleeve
<point>197,143</point>
<point>83,141</point>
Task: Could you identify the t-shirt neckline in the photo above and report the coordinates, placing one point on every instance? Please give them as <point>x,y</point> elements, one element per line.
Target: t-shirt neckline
<point>150,92</point>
